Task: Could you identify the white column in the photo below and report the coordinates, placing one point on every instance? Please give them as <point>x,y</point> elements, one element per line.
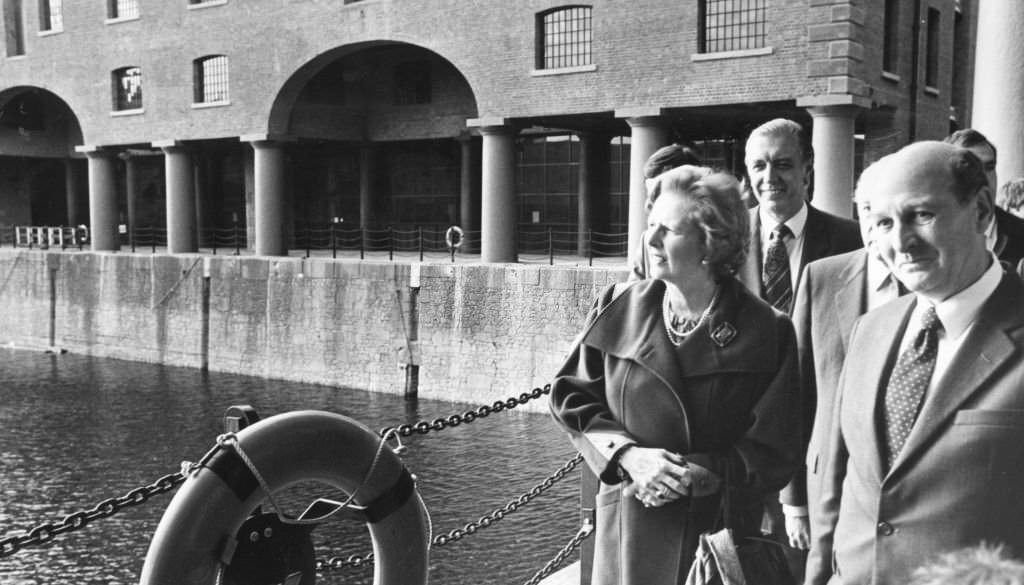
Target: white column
<point>498,216</point>
<point>103,212</point>
<point>833,142</point>
<point>182,235</point>
<point>648,135</point>
<point>269,194</point>
<point>998,107</point>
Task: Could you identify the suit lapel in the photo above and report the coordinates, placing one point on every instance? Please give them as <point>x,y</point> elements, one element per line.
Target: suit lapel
<point>851,297</point>
<point>817,243</point>
<point>864,373</point>
<point>750,272</point>
<point>987,347</point>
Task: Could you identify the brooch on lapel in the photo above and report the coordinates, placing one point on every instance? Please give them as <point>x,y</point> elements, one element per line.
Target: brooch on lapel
<point>723,334</point>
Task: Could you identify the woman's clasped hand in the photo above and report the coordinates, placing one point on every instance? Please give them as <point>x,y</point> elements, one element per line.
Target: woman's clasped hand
<point>659,476</point>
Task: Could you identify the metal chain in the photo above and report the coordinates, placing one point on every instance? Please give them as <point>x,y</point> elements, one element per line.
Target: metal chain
<point>439,424</point>
<point>584,532</point>
<point>357,560</point>
<point>47,531</point>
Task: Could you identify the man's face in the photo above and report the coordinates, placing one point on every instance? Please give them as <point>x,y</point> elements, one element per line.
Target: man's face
<point>933,243</point>
<point>778,174</point>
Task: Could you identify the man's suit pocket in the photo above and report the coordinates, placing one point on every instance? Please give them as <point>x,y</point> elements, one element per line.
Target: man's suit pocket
<point>994,418</point>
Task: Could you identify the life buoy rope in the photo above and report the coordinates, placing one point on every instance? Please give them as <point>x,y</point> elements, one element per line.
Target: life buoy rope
<point>248,467</point>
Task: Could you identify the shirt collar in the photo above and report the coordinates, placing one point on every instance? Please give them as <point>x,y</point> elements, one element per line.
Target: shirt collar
<point>879,275</point>
<point>795,224</point>
<point>960,310</point>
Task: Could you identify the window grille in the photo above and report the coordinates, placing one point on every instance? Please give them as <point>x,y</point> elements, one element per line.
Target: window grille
<point>211,79</point>
<point>123,8</point>
<point>732,25</point>
<point>51,15</point>
<point>127,88</point>
<point>564,38</point>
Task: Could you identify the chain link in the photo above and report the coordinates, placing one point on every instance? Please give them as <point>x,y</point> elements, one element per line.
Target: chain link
<point>356,560</point>
<point>574,543</point>
<point>439,424</point>
<point>47,531</point>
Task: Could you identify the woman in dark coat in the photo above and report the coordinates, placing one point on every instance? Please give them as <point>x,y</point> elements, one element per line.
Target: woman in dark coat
<point>679,387</point>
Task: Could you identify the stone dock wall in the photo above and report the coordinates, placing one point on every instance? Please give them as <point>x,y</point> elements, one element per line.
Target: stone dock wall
<point>477,332</point>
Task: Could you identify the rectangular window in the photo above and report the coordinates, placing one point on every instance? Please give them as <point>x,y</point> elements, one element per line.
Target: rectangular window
<point>412,83</point>
<point>547,182</point>
<point>14,34</point>
<point>931,66</point>
<point>127,89</point>
<point>891,40</point>
<point>564,38</point>
<point>122,8</point>
<point>732,25</point>
<point>51,15</point>
<point>211,79</point>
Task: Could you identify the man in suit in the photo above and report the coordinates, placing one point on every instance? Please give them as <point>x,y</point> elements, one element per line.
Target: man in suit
<point>786,233</point>
<point>833,293</point>
<point>928,434</point>
<point>1005,233</point>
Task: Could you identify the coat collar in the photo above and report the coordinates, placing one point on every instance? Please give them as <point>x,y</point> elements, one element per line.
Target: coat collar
<point>732,339</point>
<point>851,298</point>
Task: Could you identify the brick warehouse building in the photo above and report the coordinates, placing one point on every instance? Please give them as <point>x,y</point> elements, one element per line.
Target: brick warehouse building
<point>502,117</point>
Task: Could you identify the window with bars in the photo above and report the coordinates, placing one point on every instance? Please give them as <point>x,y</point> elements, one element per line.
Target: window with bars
<point>732,25</point>
<point>564,37</point>
<point>891,40</point>
<point>931,64</point>
<point>127,88</point>
<point>51,15</point>
<point>122,8</point>
<point>210,75</point>
<point>547,180</point>
<point>412,83</point>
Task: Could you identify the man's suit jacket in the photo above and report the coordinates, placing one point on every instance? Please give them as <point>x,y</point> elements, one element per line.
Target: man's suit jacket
<point>1009,237</point>
<point>832,295</point>
<point>958,479</point>
<point>824,235</point>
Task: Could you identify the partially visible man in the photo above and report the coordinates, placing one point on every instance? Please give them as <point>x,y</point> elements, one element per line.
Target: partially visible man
<point>833,293</point>
<point>786,233</point>
<point>925,447</point>
<point>1005,233</point>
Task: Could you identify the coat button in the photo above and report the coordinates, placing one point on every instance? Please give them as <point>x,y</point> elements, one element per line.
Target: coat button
<point>885,529</point>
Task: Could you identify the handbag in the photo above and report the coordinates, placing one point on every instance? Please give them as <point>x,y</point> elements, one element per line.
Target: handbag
<point>722,558</point>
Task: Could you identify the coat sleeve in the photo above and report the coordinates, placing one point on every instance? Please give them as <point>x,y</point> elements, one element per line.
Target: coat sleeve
<point>826,509</point>
<point>765,457</point>
<point>579,405</point>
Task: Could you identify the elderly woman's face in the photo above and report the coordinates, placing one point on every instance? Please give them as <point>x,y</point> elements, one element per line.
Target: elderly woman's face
<point>675,245</point>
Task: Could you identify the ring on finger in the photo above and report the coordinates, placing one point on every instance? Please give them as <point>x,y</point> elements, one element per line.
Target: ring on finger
<point>663,492</point>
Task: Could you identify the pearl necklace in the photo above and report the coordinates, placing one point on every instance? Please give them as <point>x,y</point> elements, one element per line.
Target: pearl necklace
<point>675,335</point>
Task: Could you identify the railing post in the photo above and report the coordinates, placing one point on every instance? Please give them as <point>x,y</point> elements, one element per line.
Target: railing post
<point>420,230</point>
<point>362,243</point>
<point>590,247</point>
<point>334,243</point>
<point>391,243</point>
<point>238,250</point>
<point>551,248</point>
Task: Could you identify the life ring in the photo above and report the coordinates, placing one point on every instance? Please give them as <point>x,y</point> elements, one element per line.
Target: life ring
<point>213,502</point>
<point>454,237</point>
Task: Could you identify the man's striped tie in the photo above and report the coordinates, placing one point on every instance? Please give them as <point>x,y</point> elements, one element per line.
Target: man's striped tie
<point>778,287</point>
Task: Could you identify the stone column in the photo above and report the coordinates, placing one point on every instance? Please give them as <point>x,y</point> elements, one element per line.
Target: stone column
<point>833,142</point>
<point>498,217</point>
<point>648,135</point>
<point>73,191</point>
<point>182,236</point>
<point>103,210</point>
<point>468,211</point>
<point>367,171</point>
<point>593,187</point>
<point>998,108</point>
<point>131,192</point>
<point>269,193</point>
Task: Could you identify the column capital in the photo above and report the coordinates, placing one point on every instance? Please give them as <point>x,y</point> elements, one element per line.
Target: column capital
<point>834,111</point>
<point>839,99</point>
<point>265,137</point>
<point>497,131</point>
<point>96,151</point>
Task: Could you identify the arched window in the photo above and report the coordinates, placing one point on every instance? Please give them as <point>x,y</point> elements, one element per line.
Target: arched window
<point>210,75</point>
<point>127,89</point>
<point>564,37</point>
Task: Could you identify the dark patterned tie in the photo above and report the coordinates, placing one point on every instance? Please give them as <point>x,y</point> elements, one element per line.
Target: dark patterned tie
<point>778,287</point>
<point>907,384</point>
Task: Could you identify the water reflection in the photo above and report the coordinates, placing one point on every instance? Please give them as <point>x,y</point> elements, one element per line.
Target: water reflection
<point>76,430</point>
